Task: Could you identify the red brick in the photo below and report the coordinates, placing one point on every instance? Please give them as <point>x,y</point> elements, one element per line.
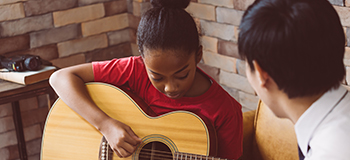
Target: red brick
<point>211,71</point>
<point>25,25</point>
<point>11,12</point>
<point>202,11</point>
<point>32,132</point>
<point>5,154</point>
<point>133,21</point>
<point>117,51</point>
<point>6,124</point>
<point>82,45</point>
<point>33,147</point>
<point>344,13</point>
<point>134,49</point>
<point>219,61</point>
<point>28,104</point>
<point>219,30</point>
<point>106,24</point>
<point>34,116</point>
<point>54,35</point>
<point>9,153</point>
<point>8,139</point>
<point>87,2</point>
<point>2,2</point>
<point>121,36</point>
<point>240,65</point>
<point>5,110</point>
<point>34,157</point>
<point>228,48</point>
<point>198,24</point>
<point>222,3</point>
<point>140,7</point>
<point>69,61</point>
<point>37,7</point>
<point>242,4</point>
<point>78,15</point>
<point>12,44</point>
<point>209,43</point>
<point>236,81</point>
<point>230,16</point>
<point>43,101</point>
<point>115,7</point>
<point>249,101</point>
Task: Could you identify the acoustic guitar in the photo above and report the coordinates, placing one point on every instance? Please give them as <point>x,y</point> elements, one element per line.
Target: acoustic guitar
<point>175,135</point>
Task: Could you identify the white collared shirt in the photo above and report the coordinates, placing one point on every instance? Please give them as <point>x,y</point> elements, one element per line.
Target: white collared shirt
<point>325,127</point>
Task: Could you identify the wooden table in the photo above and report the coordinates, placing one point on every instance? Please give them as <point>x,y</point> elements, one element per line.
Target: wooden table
<point>12,93</point>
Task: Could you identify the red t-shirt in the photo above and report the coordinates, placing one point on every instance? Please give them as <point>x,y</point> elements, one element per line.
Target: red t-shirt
<point>216,104</point>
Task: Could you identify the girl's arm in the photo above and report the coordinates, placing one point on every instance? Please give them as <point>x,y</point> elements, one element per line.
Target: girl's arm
<point>69,84</point>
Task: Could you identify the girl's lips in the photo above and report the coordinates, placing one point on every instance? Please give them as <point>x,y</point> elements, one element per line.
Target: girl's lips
<point>173,96</point>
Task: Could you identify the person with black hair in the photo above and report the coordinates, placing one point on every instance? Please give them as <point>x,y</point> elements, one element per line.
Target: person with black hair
<point>165,76</point>
<point>294,52</point>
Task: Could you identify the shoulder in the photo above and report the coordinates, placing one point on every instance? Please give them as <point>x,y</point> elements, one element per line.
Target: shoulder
<point>332,137</point>
<point>130,59</point>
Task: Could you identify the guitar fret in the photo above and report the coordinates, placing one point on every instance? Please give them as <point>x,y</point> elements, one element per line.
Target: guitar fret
<point>188,156</point>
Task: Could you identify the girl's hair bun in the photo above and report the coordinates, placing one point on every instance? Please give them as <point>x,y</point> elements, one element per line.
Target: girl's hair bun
<point>170,3</point>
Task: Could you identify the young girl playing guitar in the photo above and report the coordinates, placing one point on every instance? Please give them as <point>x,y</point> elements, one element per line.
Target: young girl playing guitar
<point>165,76</point>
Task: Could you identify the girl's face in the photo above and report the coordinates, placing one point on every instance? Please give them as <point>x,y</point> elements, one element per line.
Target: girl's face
<point>170,73</point>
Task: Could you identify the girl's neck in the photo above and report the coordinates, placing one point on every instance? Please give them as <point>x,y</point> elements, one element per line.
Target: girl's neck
<point>200,85</point>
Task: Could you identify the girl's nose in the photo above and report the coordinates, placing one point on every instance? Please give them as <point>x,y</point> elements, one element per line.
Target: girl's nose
<point>170,87</point>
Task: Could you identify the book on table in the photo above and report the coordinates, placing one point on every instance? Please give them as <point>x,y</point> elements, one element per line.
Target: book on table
<point>27,77</point>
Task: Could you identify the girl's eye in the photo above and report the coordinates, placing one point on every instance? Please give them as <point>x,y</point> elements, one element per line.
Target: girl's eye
<point>156,79</point>
<point>183,77</point>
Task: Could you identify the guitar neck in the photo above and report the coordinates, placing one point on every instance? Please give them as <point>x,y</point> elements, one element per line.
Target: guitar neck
<point>188,156</point>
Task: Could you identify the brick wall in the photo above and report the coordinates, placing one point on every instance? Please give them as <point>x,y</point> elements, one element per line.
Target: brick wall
<point>65,33</point>
<point>70,32</point>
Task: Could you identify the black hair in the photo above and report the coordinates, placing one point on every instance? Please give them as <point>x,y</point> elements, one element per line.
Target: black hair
<point>168,26</point>
<point>299,43</point>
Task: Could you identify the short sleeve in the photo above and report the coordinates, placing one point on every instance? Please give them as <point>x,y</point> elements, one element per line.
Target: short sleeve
<point>117,72</point>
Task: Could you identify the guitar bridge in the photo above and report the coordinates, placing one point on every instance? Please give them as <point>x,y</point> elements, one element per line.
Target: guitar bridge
<point>105,151</point>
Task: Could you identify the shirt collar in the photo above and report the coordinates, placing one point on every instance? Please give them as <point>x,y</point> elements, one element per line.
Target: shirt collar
<point>313,116</point>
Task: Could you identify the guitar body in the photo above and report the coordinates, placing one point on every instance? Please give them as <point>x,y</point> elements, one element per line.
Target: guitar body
<point>67,136</point>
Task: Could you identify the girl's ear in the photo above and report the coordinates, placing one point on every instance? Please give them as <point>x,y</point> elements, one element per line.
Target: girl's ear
<point>199,54</point>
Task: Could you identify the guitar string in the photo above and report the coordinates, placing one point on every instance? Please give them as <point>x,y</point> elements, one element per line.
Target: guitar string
<point>162,156</point>
<point>160,153</point>
<point>152,150</point>
<point>167,154</point>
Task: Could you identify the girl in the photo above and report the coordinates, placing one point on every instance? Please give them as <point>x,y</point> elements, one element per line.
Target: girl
<point>165,76</point>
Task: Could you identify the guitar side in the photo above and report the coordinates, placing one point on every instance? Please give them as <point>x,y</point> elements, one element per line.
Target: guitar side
<point>68,136</point>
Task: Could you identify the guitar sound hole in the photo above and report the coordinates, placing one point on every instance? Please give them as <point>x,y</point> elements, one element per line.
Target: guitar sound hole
<point>155,151</point>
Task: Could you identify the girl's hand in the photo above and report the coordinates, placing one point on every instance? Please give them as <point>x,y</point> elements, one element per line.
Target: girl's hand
<point>120,137</point>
